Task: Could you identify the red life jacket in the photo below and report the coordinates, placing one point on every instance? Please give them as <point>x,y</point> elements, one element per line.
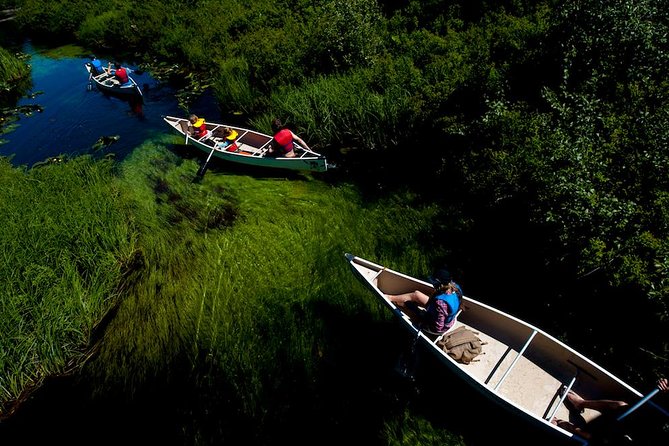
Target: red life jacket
<point>121,75</point>
<point>285,139</point>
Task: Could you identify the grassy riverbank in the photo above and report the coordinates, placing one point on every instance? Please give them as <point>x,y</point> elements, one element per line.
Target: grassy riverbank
<point>231,295</point>
<point>248,302</point>
<point>67,238</point>
<point>13,71</point>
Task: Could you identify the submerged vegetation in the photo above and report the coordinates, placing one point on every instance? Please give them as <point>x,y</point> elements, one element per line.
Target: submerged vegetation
<point>537,130</point>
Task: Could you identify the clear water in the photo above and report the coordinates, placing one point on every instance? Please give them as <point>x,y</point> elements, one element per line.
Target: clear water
<point>75,115</point>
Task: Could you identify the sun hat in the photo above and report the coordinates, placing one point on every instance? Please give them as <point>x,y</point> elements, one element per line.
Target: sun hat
<point>440,277</point>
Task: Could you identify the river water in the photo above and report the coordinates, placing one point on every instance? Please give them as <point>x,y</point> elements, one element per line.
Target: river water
<point>75,117</point>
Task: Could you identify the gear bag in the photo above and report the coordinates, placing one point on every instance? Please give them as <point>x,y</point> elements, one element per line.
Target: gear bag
<point>461,344</point>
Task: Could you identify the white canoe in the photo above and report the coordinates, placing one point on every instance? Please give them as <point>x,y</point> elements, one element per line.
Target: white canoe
<point>107,83</point>
<point>251,148</point>
<point>521,368</point>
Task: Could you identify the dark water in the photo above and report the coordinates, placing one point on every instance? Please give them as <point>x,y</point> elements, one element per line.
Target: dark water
<point>74,116</point>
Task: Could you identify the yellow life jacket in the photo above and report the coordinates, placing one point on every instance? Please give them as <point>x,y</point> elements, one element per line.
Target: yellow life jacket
<point>199,122</point>
<point>233,134</point>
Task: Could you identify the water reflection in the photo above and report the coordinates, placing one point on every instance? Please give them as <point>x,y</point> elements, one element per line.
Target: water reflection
<point>135,103</point>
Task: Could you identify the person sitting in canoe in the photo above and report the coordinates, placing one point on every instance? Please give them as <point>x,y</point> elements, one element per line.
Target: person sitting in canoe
<point>120,73</point>
<point>436,313</point>
<point>283,141</point>
<point>197,127</point>
<point>612,411</point>
<point>96,67</point>
<point>229,136</point>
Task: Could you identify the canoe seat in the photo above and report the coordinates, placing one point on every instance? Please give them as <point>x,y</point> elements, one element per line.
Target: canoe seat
<point>207,140</point>
<point>249,149</point>
<point>254,140</point>
<point>560,395</point>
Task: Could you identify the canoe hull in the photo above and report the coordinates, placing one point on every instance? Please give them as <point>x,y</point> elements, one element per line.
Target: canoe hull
<point>521,369</point>
<point>251,148</point>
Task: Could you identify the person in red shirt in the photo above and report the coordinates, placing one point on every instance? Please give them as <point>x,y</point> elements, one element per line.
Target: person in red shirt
<point>120,73</point>
<point>283,142</point>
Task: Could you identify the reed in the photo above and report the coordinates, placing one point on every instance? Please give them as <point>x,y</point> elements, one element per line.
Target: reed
<point>231,294</point>
<point>14,81</point>
<point>251,311</point>
<point>12,71</point>
<point>65,238</point>
<point>344,108</point>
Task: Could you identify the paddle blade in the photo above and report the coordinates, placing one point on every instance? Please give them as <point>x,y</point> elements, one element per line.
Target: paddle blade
<point>202,170</point>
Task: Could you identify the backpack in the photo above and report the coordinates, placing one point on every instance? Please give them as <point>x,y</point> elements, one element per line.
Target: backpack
<point>461,344</point>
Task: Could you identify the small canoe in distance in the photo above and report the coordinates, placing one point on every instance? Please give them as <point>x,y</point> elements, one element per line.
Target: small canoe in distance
<point>522,369</point>
<point>107,83</point>
<point>250,147</point>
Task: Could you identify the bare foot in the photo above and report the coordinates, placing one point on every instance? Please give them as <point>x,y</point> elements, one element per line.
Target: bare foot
<point>570,427</point>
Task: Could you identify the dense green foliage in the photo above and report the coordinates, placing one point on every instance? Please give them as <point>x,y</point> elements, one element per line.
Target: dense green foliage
<point>544,123</point>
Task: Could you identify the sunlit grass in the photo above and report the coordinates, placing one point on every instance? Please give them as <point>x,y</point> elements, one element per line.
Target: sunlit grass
<point>12,69</point>
<point>235,286</point>
<point>65,238</point>
<point>412,430</point>
<point>248,301</point>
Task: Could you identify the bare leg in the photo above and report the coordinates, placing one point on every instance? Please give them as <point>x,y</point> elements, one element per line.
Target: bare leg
<point>598,405</point>
<point>415,296</point>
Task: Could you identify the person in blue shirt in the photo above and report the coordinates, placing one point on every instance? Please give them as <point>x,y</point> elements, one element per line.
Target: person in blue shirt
<point>436,312</point>
<point>97,67</point>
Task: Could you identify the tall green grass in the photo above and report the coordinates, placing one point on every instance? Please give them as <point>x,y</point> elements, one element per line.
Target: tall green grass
<point>349,109</point>
<point>244,296</point>
<point>65,239</point>
<point>235,302</point>
<point>11,67</point>
<point>13,72</point>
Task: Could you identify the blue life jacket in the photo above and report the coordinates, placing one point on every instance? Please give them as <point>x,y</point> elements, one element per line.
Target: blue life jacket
<point>97,66</point>
<point>453,302</point>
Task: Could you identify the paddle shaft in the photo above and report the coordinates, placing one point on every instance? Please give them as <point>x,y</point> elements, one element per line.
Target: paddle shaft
<point>200,173</point>
<point>641,402</point>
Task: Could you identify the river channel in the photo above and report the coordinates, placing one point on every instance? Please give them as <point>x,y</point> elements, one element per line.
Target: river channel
<point>63,114</point>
